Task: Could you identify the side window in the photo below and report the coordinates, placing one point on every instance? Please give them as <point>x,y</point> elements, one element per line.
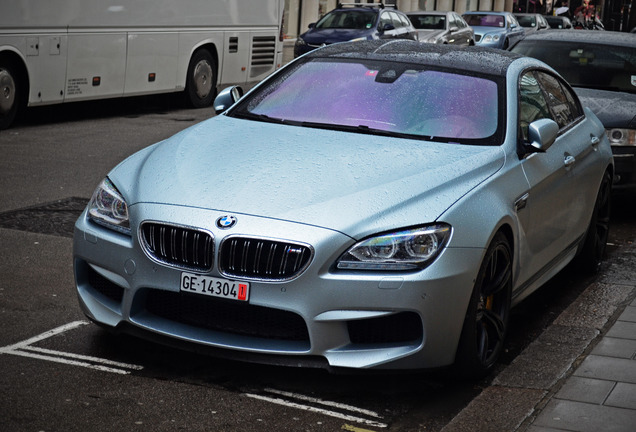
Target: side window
<point>563,110</point>
<point>385,19</point>
<point>404,20</point>
<point>395,18</point>
<point>452,22</point>
<point>532,103</point>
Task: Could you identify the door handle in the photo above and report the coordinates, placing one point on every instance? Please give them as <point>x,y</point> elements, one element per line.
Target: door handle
<point>569,160</point>
<point>594,140</point>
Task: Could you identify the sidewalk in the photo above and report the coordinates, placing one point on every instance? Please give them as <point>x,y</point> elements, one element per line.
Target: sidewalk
<point>579,375</point>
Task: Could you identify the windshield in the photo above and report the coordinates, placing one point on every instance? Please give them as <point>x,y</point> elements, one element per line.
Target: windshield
<point>485,20</point>
<point>348,19</point>
<point>428,22</point>
<point>587,65</point>
<point>387,98</point>
<point>527,20</point>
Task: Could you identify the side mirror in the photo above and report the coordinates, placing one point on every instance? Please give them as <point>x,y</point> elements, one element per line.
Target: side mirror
<point>453,29</point>
<point>542,133</point>
<point>226,98</point>
<point>386,27</point>
<point>311,25</point>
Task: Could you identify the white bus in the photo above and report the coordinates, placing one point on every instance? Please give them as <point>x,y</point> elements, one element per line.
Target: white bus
<point>56,51</point>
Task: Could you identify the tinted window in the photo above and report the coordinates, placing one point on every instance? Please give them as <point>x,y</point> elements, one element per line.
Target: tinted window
<point>527,21</point>
<point>404,20</point>
<point>485,20</point>
<point>587,65</point>
<point>350,19</point>
<point>532,103</point>
<point>542,95</point>
<point>385,19</point>
<point>563,112</point>
<point>383,96</point>
<point>428,22</point>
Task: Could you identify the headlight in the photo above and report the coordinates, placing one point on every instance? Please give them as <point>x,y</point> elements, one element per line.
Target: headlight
<point>411,249</point>
<point>300,41</point>
<point>108,208</point>
<point>622,137</point>
<point>491,38</point>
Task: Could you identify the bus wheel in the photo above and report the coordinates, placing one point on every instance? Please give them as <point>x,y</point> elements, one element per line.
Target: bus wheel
<point>201,80</point>
<point>9,99</point>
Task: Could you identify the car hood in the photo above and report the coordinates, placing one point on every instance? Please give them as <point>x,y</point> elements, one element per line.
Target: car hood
<point>329,36</point>
<point>357,184</point>
<point>614,109</point>
<point>430,35</point>
<point>482,30</point>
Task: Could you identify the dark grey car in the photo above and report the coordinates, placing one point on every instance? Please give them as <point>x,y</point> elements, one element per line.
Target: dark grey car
<point>442,28</point>
<point>601,66</point>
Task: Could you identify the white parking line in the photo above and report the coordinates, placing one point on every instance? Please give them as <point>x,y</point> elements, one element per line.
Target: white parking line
<point>25,349</point>
<point>327,412</point>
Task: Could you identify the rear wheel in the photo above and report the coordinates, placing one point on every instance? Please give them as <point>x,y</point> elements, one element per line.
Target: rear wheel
<point>593,249</point>
<point>486,322</point>
<point>9,94</point>
<point>201,80</point>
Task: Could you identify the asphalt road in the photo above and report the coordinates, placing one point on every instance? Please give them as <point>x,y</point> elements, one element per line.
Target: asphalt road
<point>60,373</point>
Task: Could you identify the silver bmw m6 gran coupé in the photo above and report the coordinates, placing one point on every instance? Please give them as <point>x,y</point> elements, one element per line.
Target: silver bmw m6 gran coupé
<point>378,204</point>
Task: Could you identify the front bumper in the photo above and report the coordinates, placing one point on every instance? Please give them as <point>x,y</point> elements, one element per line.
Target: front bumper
<point>348,319</point>
<point>625,166</point>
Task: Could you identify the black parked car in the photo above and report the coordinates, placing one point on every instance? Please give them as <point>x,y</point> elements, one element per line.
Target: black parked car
<point>355,21</point>
<point>558,22</point>
<point>601,66</point>
<point>532,22</point>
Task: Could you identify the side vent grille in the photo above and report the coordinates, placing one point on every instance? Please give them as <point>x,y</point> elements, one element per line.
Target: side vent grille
<point>263,54</point>
<point>233,45</point>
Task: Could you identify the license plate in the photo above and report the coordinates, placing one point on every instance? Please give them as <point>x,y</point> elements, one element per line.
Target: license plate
<point>215,287</point>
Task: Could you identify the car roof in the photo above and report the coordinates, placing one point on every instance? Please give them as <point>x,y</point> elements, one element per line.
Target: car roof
<point>486,13</point>
<point>428,13</point>
<point>585,36</point>
<point>477,59</point>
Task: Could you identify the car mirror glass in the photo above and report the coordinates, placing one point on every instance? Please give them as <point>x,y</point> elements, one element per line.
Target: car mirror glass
<point>226,98</point>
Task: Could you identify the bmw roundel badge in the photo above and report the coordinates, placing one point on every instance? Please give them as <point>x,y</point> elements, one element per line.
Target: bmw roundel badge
<point>225,222</point>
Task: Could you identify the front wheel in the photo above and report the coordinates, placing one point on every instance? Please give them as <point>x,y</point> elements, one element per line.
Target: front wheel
<point>486,321</point>
<point>201,80</point>
<point>9,94</point>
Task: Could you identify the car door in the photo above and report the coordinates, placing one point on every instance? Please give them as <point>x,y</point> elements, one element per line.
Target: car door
<point>581,139</point>
<point>516,31</point>
<point>551,212</point>
<point>464,33</point>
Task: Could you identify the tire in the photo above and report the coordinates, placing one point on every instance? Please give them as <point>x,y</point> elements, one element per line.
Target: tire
<point>486,322</point>
<point>591,254</point>
<point>10,94</point>
<point>200,88</point>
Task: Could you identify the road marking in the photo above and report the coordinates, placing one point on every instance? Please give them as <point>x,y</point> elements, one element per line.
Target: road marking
<point>354,429</point>
<point>346,412</point>
<point>336,414</point>
<point>25,349</point>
